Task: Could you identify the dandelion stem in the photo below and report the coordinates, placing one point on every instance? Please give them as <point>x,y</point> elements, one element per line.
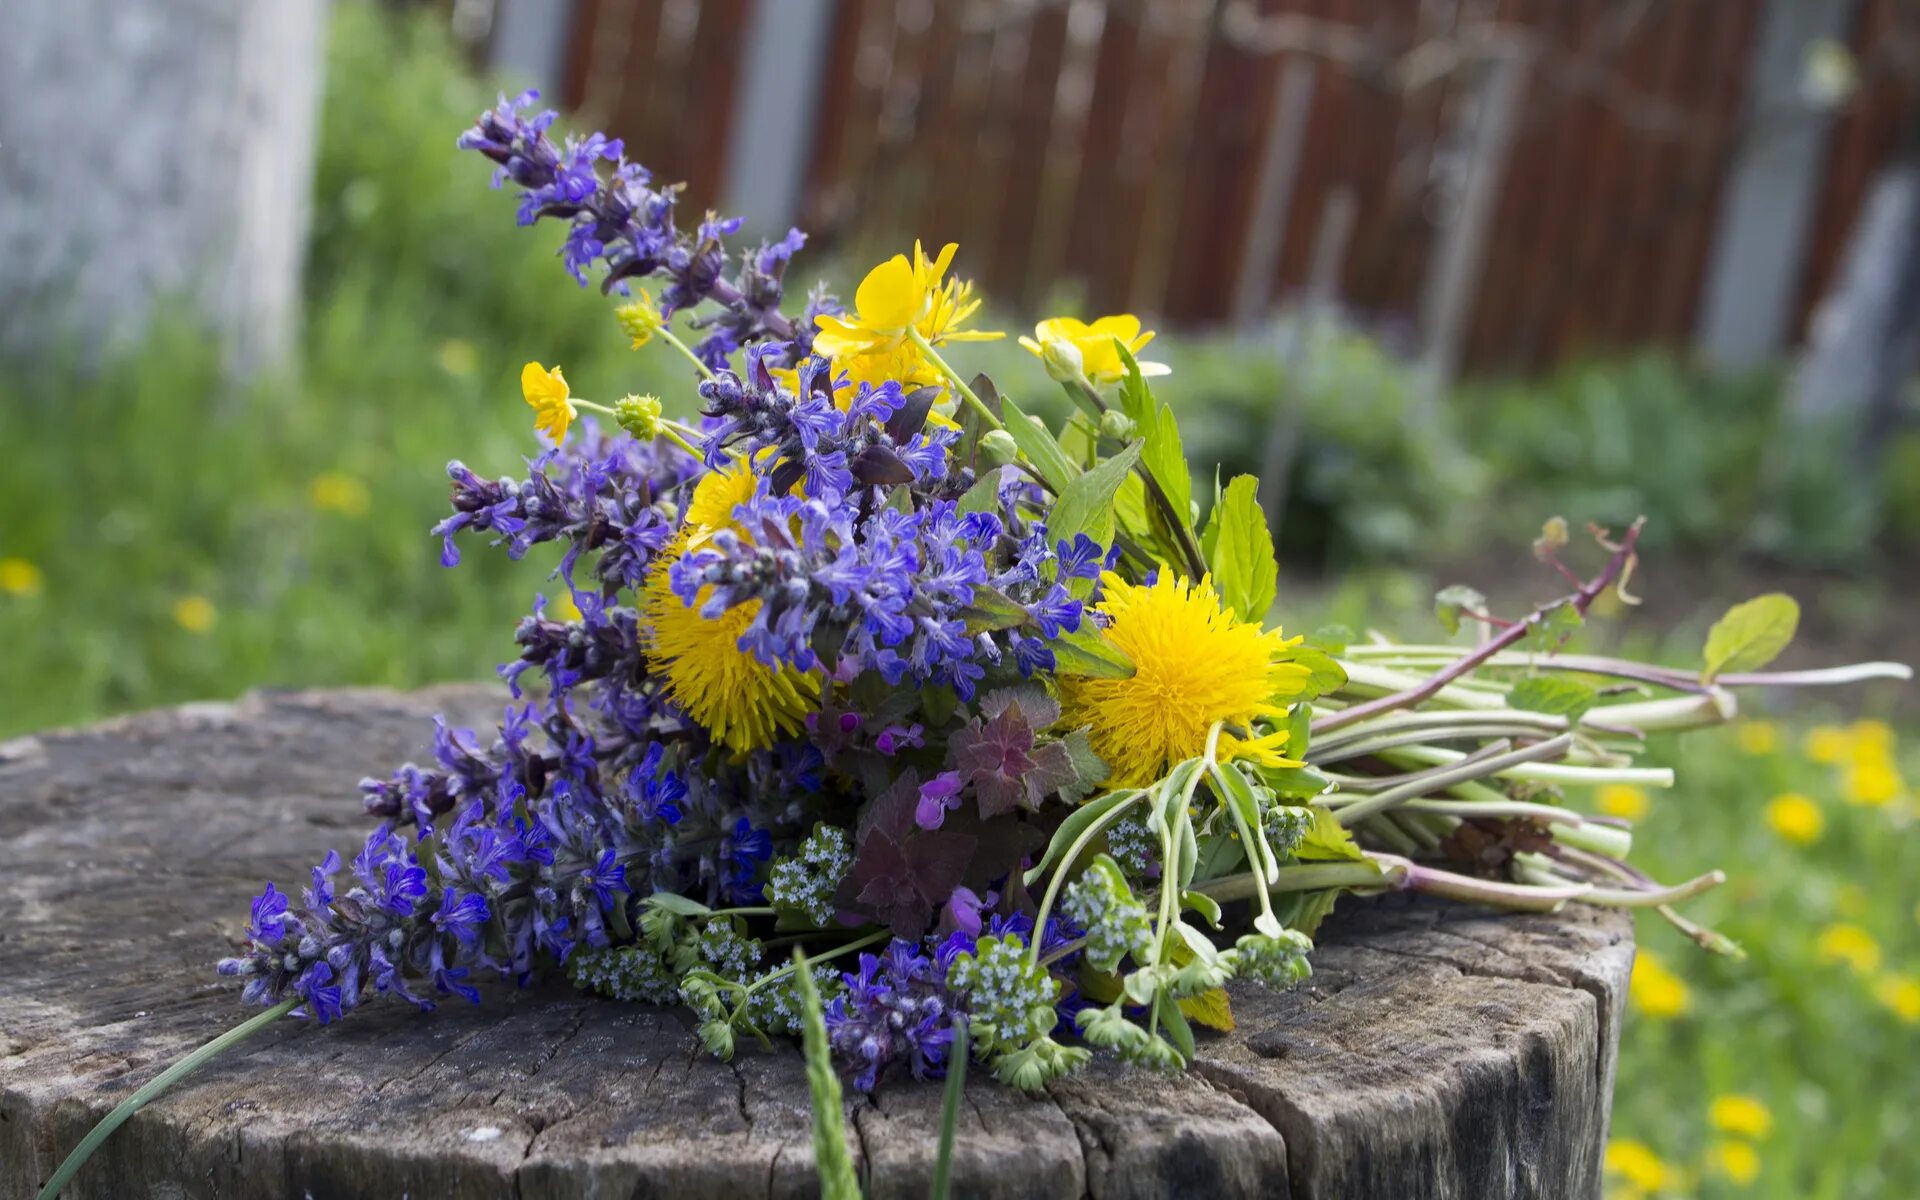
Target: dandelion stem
<point>152,1091</point>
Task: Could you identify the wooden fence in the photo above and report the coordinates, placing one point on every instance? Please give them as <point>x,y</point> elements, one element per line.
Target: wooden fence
<point>1121,145</point>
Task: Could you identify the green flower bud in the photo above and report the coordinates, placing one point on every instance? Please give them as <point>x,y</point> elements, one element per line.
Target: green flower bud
<point>997,448</point>
<point>1116,425</point>
<point>639,416</point>
<point>1063,361</point>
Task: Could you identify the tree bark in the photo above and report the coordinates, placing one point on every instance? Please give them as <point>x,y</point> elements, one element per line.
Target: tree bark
<point>1438,1051</point>
<point>150,151</point>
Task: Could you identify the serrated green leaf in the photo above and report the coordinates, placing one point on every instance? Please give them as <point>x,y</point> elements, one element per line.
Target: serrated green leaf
<point>1328,675</point>
<point>1751,635</point>
<point>1327,841</point>
<point>1555,626</point>
<point>1086,652</point>
<point>1037,442</point>
<point>1089,769</point>
<point>1450,602</point>
<point>1086,503</point>
<point>1239,550</point>
<point>1557,695</point>
<point>1305,910</point>
<point>1166,460</point>
<point>1136,399</point>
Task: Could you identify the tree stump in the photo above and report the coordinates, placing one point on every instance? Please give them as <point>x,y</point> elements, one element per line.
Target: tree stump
<point>1436,1052</point>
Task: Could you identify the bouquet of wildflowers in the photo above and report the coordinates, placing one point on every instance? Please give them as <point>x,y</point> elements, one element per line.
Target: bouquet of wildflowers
<point>867,661</point>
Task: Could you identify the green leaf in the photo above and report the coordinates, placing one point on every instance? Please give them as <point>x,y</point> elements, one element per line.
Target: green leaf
<point>1178,1031</point>
<point>1164,458</point>
<point>1305,910</point>
<point>1328,675</point>
<point>992,609</point>
<point>1136,399</point>
<point>1076,824</point>
<point>1089,770</point>
<point>1086,503</point>
<point>1450,602</point>
<point>1554,694</point>
<point>984,495</point>
<point>1327,841</point>
<point>1037,442</point>
<point>1294,783</point>
<point>1240,550</point>
<point>1554,627</point>
<point>1087,653</point>
<point>677,904</point>
<point>1751,635</point>
<point>833,1165</point>
<point>1334,639</point>
<point>1205,905</point>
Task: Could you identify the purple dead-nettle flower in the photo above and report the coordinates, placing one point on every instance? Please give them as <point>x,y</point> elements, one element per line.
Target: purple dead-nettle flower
<point>938,796</point>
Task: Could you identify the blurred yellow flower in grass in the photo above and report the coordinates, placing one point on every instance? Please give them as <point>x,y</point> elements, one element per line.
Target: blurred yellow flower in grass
<point>1758,738</point>
<point>195,613</point>
<point>18,577</point>
<point>1900,995</point>
<point>1092,345</point>
<point>1637,1165</point>
<point>1657,991</point>
<point>547,394</point>
<point>338,492</point>
<point>1845,942</point>
<point>1873,782</point>
<point>1795,818</point>
<point>1741,1115</point>
<point>1622,800</point>
<point>458,357</point>
<point>1734,1161</point>
<point>1828,744</point>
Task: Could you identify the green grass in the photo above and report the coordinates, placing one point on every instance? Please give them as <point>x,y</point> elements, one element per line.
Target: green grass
<point>146,480</point>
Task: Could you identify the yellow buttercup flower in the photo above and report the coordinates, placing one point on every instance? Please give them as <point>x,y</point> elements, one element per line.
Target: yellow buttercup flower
<point>18,577</point>
<point>1734,1161</point>
<point>1656,991</point>
<point>336,491</point>
<point>1828,744</point>
<point>1900,995</point>
<point>1093,345</point>
<point>1622,800</point>
<point>547,394</point>
<point>1844,942</point>
<point>195,614</point>
<point>743,702</point>
<point>1795,818</point>
<point>1637,1164</point>
<point>1871,734</point>
<point>1741,1115</point>
<point>1758,738</point>
<point>1195,664</point>
<point>873,343</point>
<point>1873,783</point>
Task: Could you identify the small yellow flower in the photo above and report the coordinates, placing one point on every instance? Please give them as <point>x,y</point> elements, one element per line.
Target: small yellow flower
<point>1844,942</point>
<point>458,358</point>
<point>895,297</point>
<point>1061,341</point>
<point>640,319</point>
<point>1657,991</point>
<point>720,492</point>
<point>335,491</point>
<point>18,577</point>
<point>1734,1161</point>
<point>1829,744</point>
<point>563,608</point>
<point>1741,1115</point>
<point>1758,738</point>
<point>1871,734</point>
<point>1795,818</point>
<point>1900,994</point>
<point>1637,1164</point>
<point>547,394</point>
<point>194,613</point>
<point>1622,800</point>
<point>1873,783</point>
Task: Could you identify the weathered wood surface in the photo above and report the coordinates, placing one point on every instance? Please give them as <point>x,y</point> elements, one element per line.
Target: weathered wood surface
<point>1437,1051</point>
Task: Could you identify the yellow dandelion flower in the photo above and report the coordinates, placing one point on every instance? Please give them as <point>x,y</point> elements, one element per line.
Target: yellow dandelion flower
<point>1873,783</point>
<point>458,357</point>
<point>720,492</point>
<point>552,403</point>
<point>1871,734</point>
<point>1736,1162</point>
<point>1622,800</point>
<point>18,577</point>
<point>1092,346</point>
<point>1795,818</point>
<point>1195,664</point>
<point>1845,942</point>
<point>1656,991</point>
<point>194,613</point>
<point>1741,1115</point>
<point>1829,744</point>
<point>1900,995</point>
<point>1758,738</point>
<point>1637,1164</point>
<point>336,491</point>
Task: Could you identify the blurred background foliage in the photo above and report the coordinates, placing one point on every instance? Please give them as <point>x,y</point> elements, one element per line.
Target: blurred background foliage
<point>172,536</point>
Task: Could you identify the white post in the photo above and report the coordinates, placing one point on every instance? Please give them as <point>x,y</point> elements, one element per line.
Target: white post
<point>528,43</point>
<point>1273,192</point>
<point>783,66</point>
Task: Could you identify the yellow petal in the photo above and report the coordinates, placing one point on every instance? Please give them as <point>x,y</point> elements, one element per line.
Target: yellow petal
<point>889,298</point>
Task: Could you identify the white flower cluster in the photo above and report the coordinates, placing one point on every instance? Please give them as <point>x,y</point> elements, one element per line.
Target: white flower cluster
<point>623,973</point>
<point>805,883</point>
<point>1116,923</point>
<point>1009,1002</point>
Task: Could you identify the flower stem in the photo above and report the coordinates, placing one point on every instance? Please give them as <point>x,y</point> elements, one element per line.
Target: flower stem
<point>1094,829</point>
<point>673,339</point>
<point>166,1079</point>
<point>959,385</point>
